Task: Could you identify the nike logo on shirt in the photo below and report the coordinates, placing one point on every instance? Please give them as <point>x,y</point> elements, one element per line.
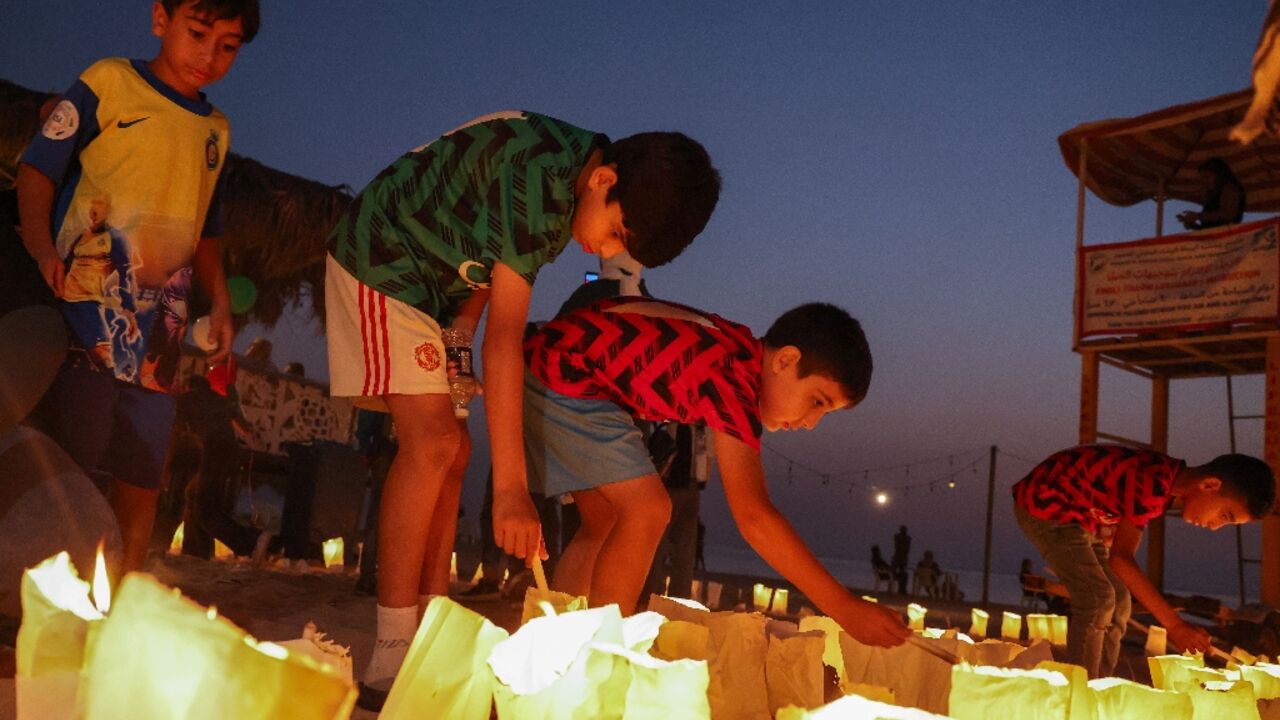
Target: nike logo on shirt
<point>122,124</point>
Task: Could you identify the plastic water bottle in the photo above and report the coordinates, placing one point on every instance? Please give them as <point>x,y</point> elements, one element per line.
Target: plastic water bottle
<point>462,378</point>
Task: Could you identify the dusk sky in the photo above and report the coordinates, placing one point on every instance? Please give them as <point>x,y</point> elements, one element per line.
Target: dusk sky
<point>896,158</point>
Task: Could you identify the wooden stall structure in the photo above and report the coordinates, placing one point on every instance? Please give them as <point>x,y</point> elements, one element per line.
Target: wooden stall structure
<point>1155,157</point>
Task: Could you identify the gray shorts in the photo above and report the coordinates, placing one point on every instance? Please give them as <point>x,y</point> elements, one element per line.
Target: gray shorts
<point>572,444</point>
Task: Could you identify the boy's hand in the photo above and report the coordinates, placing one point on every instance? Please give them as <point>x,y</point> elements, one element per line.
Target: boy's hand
<point>516,527</point>
<point>221,332</point>
<point>871,623</point>
<point>1188,637</point>
<point>51,268</point>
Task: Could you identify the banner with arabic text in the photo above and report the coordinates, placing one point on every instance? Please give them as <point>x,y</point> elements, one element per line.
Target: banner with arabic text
<point>1183,282</point>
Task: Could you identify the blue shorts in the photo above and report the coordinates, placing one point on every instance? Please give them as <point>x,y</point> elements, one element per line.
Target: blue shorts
<point>573,444</point>
<point>106,426</point>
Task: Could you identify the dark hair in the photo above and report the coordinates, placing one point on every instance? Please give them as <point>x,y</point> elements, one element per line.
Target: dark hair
<point>1219,168</point>
<point>667,189</point>
<point>1248,476</point>
<point>831,343</point>
<point>246,10</point>
<point>295,368</point>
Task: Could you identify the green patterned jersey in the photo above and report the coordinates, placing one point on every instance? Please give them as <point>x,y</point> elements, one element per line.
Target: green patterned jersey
<point>429,228</point>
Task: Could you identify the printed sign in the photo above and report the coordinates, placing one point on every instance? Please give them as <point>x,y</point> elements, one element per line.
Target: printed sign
<point>1209,279</point>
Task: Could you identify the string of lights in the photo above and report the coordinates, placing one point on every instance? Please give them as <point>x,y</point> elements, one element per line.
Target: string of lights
<point>866,472</point>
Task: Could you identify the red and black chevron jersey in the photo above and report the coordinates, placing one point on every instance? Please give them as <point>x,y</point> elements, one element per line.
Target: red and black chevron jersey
<point>657,360</point>
<point>1096,485</point>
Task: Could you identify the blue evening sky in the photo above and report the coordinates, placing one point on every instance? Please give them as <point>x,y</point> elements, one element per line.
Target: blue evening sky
<point>895,158</point>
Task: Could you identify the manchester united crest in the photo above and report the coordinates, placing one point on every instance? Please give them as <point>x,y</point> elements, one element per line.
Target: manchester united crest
<point>428,356</point>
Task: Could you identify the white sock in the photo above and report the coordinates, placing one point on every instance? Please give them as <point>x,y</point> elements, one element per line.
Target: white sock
<point>396,627</point>
<point>423,602</point>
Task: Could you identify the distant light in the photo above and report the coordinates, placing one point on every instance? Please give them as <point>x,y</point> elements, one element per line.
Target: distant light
<point>952,484</point>
<point>882,498</point>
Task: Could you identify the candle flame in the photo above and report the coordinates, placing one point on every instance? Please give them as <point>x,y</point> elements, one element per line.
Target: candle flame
<point>101,583</point>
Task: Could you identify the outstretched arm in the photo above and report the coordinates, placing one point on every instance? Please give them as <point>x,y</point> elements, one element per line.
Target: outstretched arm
<point>515,520</point>
<point>1123,562</point>
<point>770,535</point>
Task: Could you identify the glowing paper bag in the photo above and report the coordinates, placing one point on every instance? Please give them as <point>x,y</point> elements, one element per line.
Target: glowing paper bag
<point>831,655</point>
<point>535,600</point>
<point>1011,626</point>
<point>978,693</point>
<point>1269,708</point>
<point>1157,641</point>
<point>996,653</point>
<point>978,623</point>
<point>871,692</point>
<point>159,655</point>
<point>446,673</point>
<point>682,640</point>
<point>679,609</point>
<point>56,615</point>
<point>917,677</point>
<point>1083,705</point>
<point>1118,699</point>
<point>548,668</point>
<point>662,690</point>
<point>738,649</point>
<point>315,645</point>
<point>1038,627</point>
<point>1032,656</point>
<point>793,666</point>
<point>1058,629</point>
<point>854,707</point>
<point>915,616</point>
<point>1169,672</point>
<point>1265,678</point>
<point>1218,700</point>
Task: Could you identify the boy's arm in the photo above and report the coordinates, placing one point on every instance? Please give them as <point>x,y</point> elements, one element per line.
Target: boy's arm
<point>1123,548</point>
<point>207,267</point>
<point>35,208</point>
<point>770,535</point>
<point>515,520</point>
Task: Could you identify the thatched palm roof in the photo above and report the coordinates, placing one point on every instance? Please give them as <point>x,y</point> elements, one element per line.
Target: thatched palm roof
<point>276,223</point>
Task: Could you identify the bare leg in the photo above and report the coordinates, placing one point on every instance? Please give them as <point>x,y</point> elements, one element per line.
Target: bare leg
<point>574,569</point>
<point>429,442</point>
<point>444,523</point>
<point>642,508</point>
<point>135,510</point>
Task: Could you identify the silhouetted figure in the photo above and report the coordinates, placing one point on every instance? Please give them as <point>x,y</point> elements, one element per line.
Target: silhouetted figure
<point>1224,198</point>
<point>901,556</point>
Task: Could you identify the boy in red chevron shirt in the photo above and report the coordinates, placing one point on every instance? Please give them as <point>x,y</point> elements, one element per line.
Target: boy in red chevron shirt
<point>1085,509</point>
<point>595,369</point>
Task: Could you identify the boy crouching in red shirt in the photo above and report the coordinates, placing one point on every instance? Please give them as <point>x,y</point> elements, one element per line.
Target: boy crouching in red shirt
<point>1085,509</point>
<point>594,369</point>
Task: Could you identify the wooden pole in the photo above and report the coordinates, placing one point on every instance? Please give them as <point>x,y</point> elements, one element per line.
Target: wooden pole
<point>986,549</point>
<point>1081,173</point>
<point>1271,442</point>
<point>1159,443</point>
<point>1088,397</point>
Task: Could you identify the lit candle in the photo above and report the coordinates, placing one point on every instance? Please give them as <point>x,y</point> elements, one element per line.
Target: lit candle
<point>1011,626</point>
<point>915,616</point>
<point>779,606</point>
<point>175,545</point>
<point>761,594</point>
<point>333,552</point>
<point>978,622</point>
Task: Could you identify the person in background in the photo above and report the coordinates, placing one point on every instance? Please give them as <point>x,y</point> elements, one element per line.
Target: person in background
<point>257,357</point>
<point>925,578</point>
<point>901,558</point>
<point>1224,198</point>
<point>1085,509</point>
<point>143,134</point>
